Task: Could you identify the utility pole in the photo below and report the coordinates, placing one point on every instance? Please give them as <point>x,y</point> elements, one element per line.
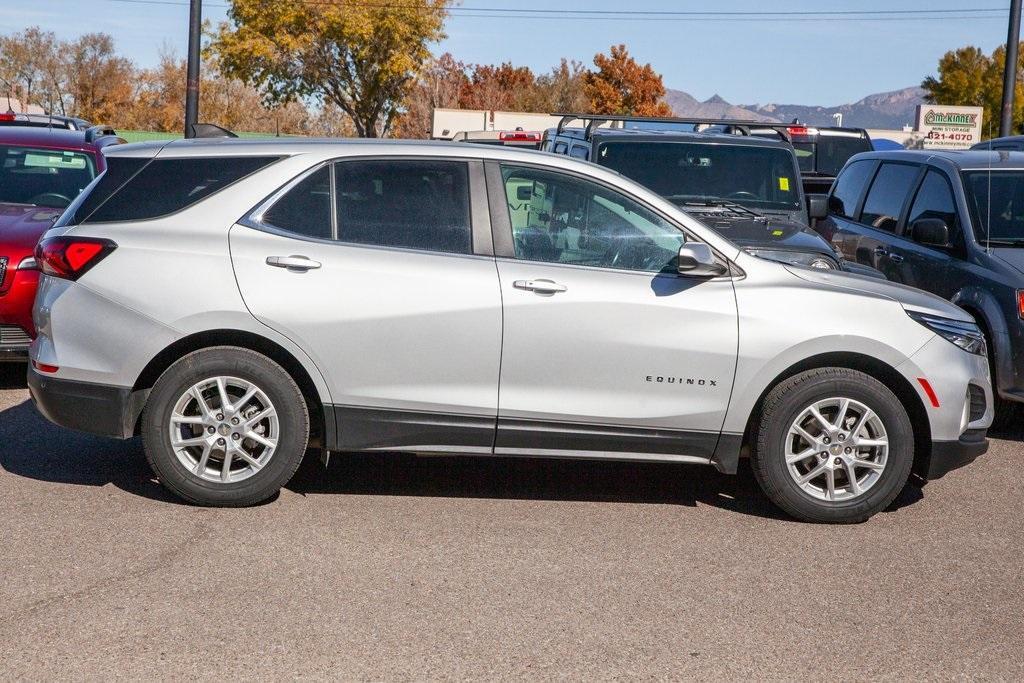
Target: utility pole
<point>1010,69</point>
<point>195,21</point>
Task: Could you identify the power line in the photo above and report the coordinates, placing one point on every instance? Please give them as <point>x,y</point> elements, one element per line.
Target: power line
<point>656,15</point>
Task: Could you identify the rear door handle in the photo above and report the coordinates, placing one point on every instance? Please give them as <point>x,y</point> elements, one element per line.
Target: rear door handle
<point>540,286</point>
<point>895,258</point>
<point>292,262</point>
<point>880,251</point>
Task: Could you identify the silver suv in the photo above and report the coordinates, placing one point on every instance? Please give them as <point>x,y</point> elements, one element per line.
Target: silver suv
<point>237,302</point>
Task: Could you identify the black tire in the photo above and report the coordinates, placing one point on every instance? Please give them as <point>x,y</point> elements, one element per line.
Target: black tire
<point>781,408</point>
<point>279,388</point>
<point>1005,414</point>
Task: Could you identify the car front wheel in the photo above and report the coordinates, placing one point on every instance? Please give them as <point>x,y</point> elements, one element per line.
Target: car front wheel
<point>832,445</point>
<point>225,426</point>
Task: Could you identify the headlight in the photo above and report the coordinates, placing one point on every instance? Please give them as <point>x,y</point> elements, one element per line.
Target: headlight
<point>967,336</point>
<point>807,259</point>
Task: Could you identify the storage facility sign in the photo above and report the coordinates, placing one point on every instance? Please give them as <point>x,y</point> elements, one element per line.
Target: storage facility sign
<point>945,127</point>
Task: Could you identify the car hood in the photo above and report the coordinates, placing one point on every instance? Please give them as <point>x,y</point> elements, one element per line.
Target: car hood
<point>911,299</point>
<point>21,225</point>
<point>765,232</point>
<point>1010,255</point>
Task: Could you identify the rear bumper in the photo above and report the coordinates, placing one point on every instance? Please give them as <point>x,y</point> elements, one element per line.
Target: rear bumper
<point>95,408</point>
<point>949,455</point>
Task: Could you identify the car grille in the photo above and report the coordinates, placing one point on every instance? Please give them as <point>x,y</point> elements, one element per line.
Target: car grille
<point>3,270</point>
<point>12,335</point>
<point>977,396</point>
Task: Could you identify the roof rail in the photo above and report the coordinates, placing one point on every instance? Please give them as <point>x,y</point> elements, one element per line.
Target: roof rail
<point>95,132</point>
<point>742,126</point>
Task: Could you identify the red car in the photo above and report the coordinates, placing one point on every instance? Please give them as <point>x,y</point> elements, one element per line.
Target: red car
<point>41,171</point>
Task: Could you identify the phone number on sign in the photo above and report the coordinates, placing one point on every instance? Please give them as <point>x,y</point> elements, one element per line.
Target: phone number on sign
<point>958,137</point>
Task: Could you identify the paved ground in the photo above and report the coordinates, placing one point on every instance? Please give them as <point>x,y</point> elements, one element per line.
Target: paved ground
<point>410,568</point>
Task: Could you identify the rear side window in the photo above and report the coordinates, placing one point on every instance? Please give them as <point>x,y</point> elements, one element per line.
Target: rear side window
<point>413,204</point>
<point>849,187</point>
<point>119,170</point>
<point>165,186</point>
<point>888,192</point>
<point>306,208</point>
<point>561,147</point>
<point>579,152</point>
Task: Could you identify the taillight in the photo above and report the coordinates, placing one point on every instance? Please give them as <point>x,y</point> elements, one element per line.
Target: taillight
<point>1020,303</point>
<point>71,257</point>
<point>7,117</point>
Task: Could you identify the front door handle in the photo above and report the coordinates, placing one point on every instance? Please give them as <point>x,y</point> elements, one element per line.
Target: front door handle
<point>880,251</point>
<point>895,258</point>
<point>540,286</point>
<point>292,262</point>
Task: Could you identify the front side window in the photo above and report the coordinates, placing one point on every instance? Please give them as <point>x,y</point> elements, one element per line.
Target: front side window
<point>559,218</point>
<point>889,190</point>
<point>413,204</point>
<point>760,177</point>
<point>996,200</point>
<point>165,186</point>
<point>43,177</point>
<point>935,200</point>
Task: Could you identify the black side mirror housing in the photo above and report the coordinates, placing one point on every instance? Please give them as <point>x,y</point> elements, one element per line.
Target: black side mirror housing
<point>817,206</point>
<point>931,231</point>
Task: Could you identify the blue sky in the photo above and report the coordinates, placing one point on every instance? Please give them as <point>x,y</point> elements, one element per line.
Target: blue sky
<point>782,61</point>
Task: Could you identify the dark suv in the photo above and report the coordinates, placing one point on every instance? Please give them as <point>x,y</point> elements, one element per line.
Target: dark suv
<point>744,186</point>
<point>951,223</point>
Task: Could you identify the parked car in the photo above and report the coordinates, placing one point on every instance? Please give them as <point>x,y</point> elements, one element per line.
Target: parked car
<point>746,187</point>
<point>951,223</point>
<point>524,139</point>
<point>43,121</point>
<point>1010,143</point>
<point>820,150</point>
<point>41,171</point>
<point>235,301</point>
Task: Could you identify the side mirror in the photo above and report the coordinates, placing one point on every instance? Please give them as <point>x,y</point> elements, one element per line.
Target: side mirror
<point>817,206</point>
<point>524,193</point>
<point>697,260</point>
<point>930,231</point>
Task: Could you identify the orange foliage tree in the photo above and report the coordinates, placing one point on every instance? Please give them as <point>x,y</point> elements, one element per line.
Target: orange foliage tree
<point>621,86</point>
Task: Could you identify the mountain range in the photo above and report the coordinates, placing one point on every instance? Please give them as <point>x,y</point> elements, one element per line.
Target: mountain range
<point>893,109</point>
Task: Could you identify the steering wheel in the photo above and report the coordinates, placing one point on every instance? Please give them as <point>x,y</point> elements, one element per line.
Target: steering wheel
<point>742,194</point>
<point>53,200</point>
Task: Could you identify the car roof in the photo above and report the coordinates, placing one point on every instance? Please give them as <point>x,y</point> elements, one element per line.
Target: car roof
<point>959,160</point>
<point>60,138</point>
<point>647,135</point>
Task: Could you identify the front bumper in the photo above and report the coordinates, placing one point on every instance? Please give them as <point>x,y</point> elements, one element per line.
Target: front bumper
<point>947,456</point>
<point>84,406</point>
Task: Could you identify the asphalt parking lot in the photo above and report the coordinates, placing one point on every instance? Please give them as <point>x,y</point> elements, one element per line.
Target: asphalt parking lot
<point>392,567</point>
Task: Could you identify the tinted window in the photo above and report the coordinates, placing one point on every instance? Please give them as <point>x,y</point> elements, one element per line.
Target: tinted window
<point>997,205</point>
<point>756,176</point>
<point>119,170</point>
<point>561,147</point>
<point>563,219</point>
<point>579,152</point>
<point>832,151</point>
<point>885,199</point>
<point>164,186</point>
<point>404,203</point>
<point>935,200</point>
<point>306,208</point>
<point>849,187</point>
<point>43,177</point>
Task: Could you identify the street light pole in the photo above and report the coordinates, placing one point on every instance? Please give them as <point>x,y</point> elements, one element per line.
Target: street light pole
<point>1010,69</point>
<point>195,21</point>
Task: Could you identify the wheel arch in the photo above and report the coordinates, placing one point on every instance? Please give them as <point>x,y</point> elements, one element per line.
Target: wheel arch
<point>986,310</point>
<point>321,420</point>
<point>884,373</point>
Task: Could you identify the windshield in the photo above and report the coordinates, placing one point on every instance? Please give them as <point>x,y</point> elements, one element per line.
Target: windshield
<point>682,172</point>
<point>44,177</point>
<point>827,154</point>
<point>1002,219</point>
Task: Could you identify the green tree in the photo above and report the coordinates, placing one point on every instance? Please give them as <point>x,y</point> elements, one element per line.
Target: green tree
<point>360,57</point>
<point>969,77</point>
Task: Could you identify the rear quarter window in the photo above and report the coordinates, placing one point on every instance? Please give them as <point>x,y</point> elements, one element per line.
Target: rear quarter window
<point>165,186</point>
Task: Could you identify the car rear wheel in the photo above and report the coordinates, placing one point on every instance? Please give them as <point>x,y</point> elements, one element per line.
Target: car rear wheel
<point>225,426</point>
<point>832,445</point>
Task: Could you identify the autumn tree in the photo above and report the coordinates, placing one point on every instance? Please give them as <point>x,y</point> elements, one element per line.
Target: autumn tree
<point>438,87</point>
<point>30,68</point>
<point>562,89</point>
<point>360,57</point>
<point>98,83</point>
<point>969,77</point>
<point>621,86</point>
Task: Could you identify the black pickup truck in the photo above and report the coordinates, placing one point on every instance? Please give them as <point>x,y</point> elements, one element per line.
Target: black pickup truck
<point>746,187</point>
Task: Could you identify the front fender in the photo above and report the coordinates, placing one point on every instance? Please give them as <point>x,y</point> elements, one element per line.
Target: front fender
<point>983,305</point>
